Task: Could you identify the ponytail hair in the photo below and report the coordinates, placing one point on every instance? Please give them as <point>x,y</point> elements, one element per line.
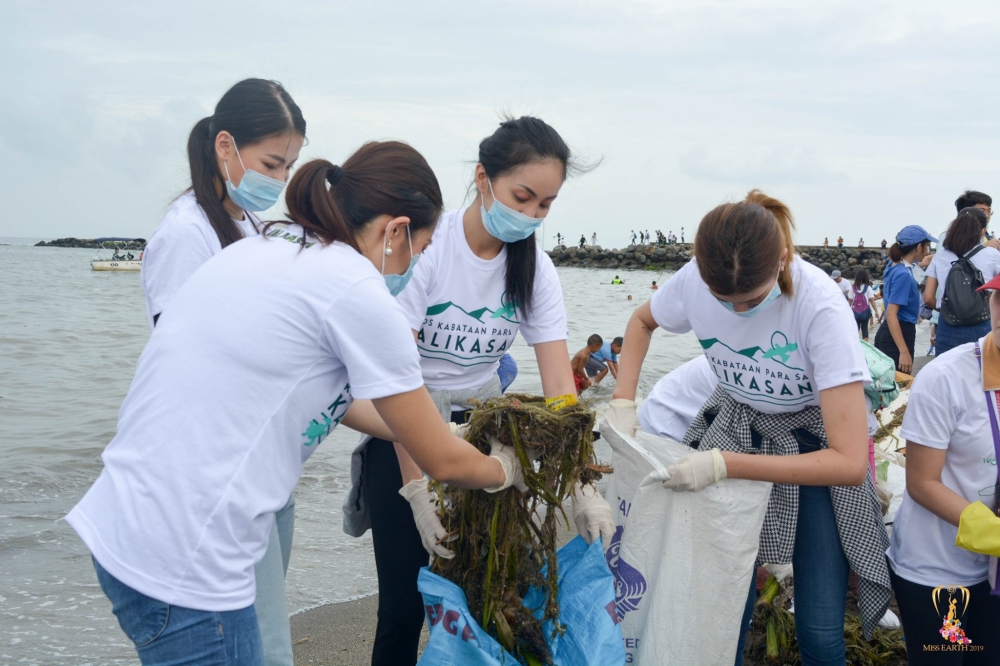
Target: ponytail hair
<point>738,246</point>
<point>251,111</point>
<point>517,142</point>
<point>335,203</point>
<point>897,251</point>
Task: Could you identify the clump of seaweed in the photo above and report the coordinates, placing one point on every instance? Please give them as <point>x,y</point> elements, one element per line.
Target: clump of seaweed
<point>501,543</point>
<point>772,637</point>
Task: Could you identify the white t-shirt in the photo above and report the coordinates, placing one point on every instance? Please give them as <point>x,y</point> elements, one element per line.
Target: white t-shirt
<point>986,260</point>
<point>677,398</point>
<point>264,348</point>
<point>182,242</point>
<point>844,285</point>
<point>455,303</point>
<point>779,359</point>
<point>947,411</point>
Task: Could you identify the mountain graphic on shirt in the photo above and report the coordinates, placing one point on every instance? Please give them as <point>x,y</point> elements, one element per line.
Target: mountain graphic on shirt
<point>506,312</point>
<point>780,351</point>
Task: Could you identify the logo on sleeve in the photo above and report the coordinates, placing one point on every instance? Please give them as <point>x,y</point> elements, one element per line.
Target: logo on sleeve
<point>318,429</point>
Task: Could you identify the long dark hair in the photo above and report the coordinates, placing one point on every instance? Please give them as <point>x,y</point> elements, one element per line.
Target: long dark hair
<point>861,279</point>
<point>966,231</point>
<point>252,110</point>
<point>334,203</point>
<point>738,245</point>
<point>516,142</point>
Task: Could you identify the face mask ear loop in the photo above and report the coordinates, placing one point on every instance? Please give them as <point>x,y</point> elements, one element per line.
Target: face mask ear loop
<point>490,184</point>
<point>385,236</point>
<point>226,164</point>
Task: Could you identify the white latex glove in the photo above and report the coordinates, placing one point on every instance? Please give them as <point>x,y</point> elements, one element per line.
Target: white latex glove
<point>425,516</point>
<point>511,467</point>
<point>458,430</point>
<point>696,471</point>
<point>622,414</point>
<point>592,515</point>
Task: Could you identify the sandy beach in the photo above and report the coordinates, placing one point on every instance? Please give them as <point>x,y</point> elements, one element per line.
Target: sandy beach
<point>337,634</point>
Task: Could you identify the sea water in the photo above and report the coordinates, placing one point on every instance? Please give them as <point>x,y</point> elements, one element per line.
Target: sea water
<point>69,341</point>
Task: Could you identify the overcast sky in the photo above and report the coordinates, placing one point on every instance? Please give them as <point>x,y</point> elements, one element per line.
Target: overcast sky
<point>863,115</point>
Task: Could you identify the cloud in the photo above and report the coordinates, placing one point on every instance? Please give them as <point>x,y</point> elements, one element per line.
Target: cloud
<point>770,166</point>
<point>687,101</point>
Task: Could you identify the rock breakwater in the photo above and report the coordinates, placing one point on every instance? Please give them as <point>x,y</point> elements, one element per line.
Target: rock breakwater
<point>672,257</point>
<point>86,243</point>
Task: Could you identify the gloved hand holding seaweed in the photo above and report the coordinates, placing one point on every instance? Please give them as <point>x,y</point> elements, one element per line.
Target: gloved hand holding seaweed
<point>500,550</point>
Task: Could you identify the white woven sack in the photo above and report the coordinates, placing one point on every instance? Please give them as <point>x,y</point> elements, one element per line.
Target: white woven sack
<point>682,560</point>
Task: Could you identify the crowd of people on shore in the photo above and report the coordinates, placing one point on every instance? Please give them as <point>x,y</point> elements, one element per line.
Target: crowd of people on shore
<point>267,336</point>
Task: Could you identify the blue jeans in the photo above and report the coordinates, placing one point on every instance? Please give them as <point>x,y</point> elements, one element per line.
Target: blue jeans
<point>271,603</point>
<point>821,572</point>
<point>166,635</point>
<point>949,337</point>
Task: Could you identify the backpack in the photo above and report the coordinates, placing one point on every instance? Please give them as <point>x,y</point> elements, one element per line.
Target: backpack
<point>961,304</point>
<point>860,303</point>
<point>883,388</point>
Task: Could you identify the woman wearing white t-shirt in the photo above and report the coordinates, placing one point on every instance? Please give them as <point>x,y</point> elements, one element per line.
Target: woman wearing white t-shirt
<point>862,295</point>
<point>482,281</point>
<point>964,238</point>
<point>261,355</point>
<point>781,340</point>
<point>240,158</point>
<point>946,526</point>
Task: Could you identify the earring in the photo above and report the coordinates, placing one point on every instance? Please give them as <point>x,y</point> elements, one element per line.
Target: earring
<point>388,249</point>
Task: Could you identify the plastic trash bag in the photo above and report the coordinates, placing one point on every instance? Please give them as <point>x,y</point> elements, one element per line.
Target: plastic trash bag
<point>587,609</point>
<point>682,561</point>
<point>456,637</point>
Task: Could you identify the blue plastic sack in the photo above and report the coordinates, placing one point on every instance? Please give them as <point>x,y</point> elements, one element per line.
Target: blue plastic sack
<point>456,638</point>
<point>587,609</point>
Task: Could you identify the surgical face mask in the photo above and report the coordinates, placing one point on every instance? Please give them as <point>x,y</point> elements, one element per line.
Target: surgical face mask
<point>506,224</point>
<point>256,192</point>
<point>775,292</point>
<point>396,283</point>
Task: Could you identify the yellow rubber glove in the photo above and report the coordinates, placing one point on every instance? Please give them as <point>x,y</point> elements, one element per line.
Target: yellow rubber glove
<point>979,530</point>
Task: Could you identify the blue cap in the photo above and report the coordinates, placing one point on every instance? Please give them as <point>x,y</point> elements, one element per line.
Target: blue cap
<point>913,235</point>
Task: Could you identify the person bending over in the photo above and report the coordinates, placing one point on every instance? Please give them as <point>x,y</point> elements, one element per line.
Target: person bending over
<point>582,363</point>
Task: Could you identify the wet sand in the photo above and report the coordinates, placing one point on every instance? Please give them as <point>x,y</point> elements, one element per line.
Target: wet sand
<point>337,634</point>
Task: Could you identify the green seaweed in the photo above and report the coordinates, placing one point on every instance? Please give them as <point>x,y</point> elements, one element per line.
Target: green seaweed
<point>501,544</point>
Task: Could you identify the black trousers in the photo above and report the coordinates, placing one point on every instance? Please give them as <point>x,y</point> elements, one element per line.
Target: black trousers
<point>863,325</point>
<point>885,344</point>
<point>399,555</point>
<point>921,625</point>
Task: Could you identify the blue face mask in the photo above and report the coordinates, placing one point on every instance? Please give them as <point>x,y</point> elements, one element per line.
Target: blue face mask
<point>256,192</point>
<point>505,223</point>
<point>775,292</point>
<point>396,283</point>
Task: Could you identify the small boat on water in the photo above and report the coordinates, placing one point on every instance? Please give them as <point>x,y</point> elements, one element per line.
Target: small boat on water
<point>126,254</point>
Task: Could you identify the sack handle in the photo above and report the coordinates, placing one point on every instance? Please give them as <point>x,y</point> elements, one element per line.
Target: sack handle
<point>996,444</point>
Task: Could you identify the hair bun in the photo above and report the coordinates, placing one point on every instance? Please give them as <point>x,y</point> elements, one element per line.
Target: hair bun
<point>334,175</point>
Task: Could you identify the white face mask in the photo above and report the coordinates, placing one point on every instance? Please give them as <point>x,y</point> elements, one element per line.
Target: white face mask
<point>773,294</point>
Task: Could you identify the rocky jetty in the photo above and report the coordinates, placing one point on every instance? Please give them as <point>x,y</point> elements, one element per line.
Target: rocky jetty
<point>672,257</point>
<point>87,243</point>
